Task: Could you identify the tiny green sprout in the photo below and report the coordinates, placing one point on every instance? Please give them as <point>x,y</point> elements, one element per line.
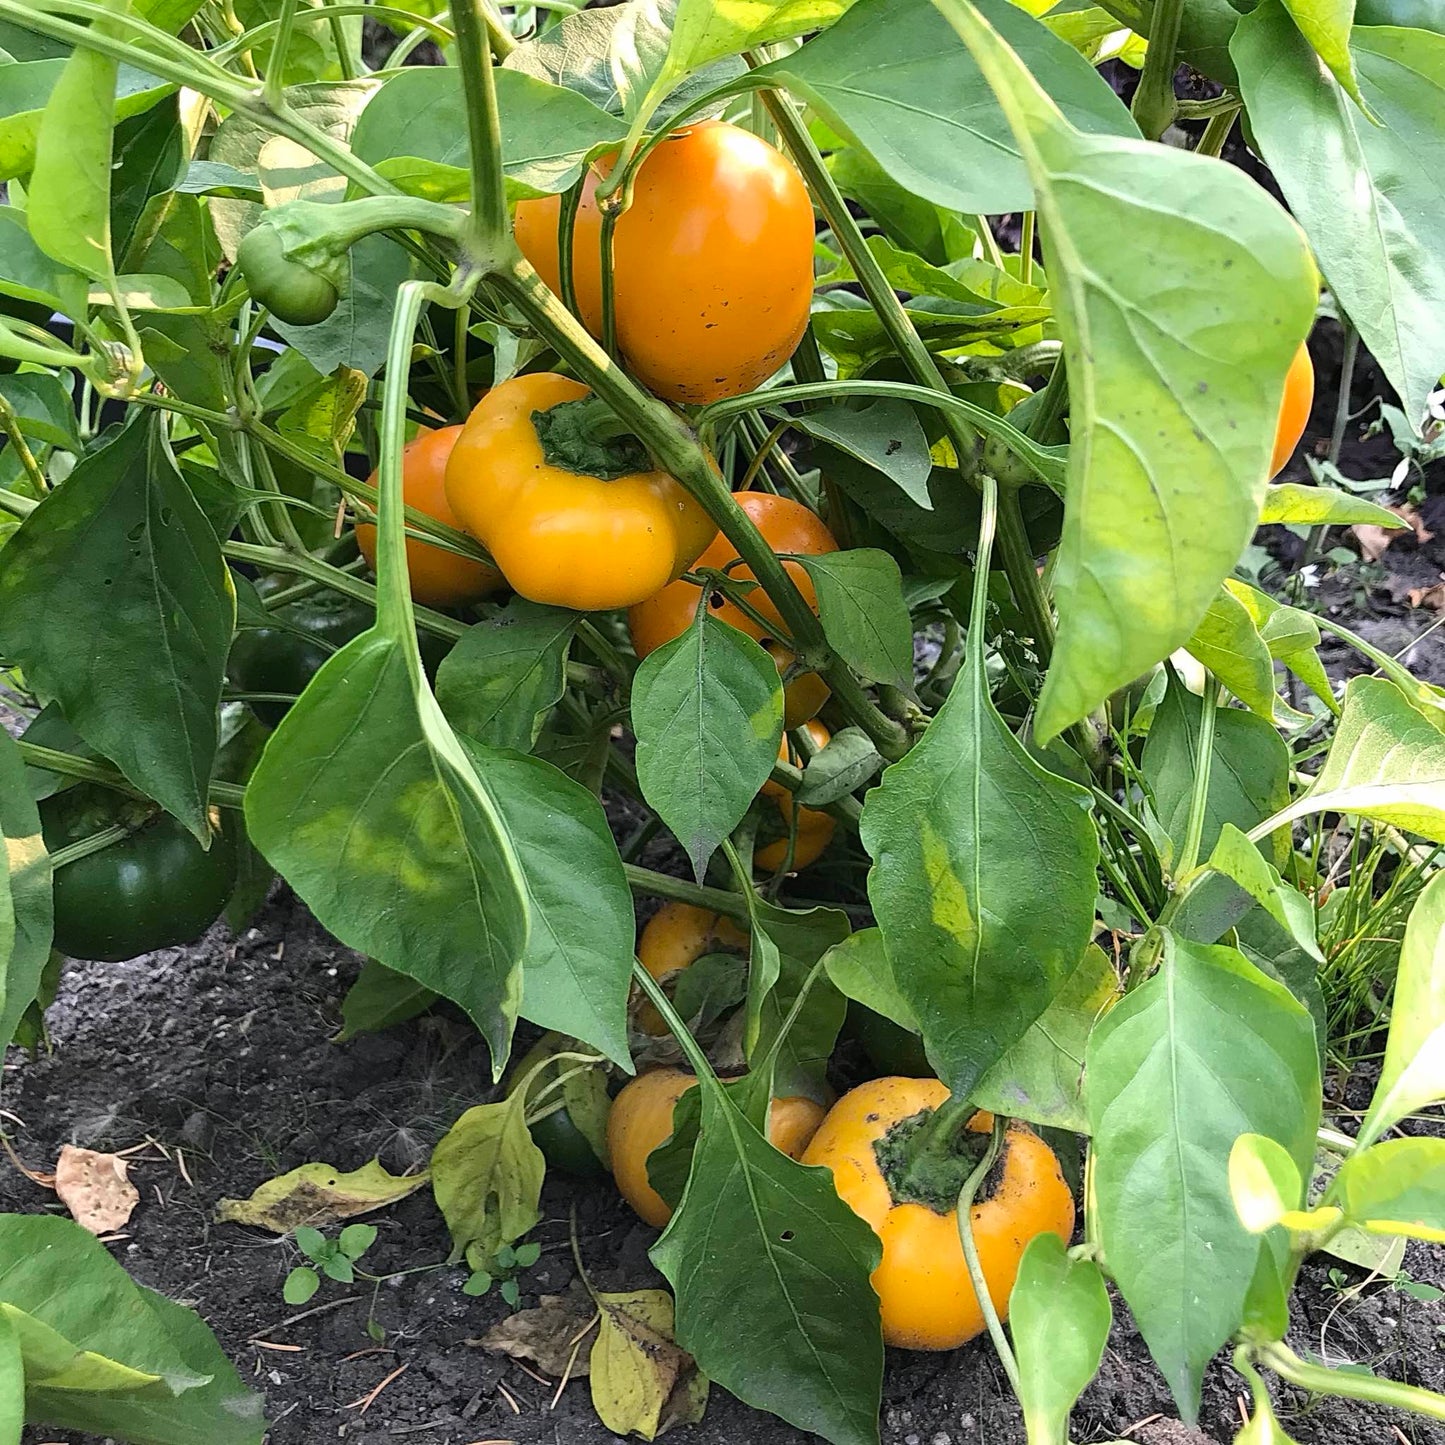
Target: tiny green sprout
<point>502,1269</point>
<point>336,1259</point>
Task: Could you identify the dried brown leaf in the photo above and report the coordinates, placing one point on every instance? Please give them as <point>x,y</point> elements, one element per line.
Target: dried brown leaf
<point>548,1334</point>
<point>95,1188</point>
<point>642,1382</point>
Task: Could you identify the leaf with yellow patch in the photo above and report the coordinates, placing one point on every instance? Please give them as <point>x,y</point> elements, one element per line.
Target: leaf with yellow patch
<point>318,1195</point>
<point>642,1382</point>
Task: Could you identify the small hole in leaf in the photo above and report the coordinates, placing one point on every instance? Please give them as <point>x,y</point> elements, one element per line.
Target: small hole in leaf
<point>716,600</point>
<point>786,1236</point>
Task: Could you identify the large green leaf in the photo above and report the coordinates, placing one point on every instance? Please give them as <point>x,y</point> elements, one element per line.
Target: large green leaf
<point>576,972</point>
<point>115,600</point>
<point>983,877</point>
<point>894,77</point>
<point>28,273</point>
<point>546,131</point>
<point>864,616</point>
<point>1313,506</point>
<point>25,907</point>
<point>506,674</point>
<point>1326,25</point>
<point>1386,762</point>
<point>1395,1187</point>
<point>12,1385</point>
<point>380,818</point>
<point>150,159</point>
<point>1175,379</point>
<point>1059,1317</point>
<point>1227,642</point>
<point>707,709</point>
<point>1248,775</point>
<point>762,1240</point>
<point>1413,1073</point>
<point>105,1355</point>
<point>1207,1049</point>
<point>1374,215</point>
<point>1041,1078</point>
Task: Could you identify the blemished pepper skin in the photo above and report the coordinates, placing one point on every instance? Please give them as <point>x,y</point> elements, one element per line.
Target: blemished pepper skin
<point>925,1295</point>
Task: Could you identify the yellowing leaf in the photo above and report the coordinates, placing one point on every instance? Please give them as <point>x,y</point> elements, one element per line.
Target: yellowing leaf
<point>642,1383</point>
<point>487,1177</point>
<point>318,1195</point>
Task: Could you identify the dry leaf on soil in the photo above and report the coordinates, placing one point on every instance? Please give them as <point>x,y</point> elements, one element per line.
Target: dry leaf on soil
<point>1375,541</point>
<point>1432,597</point>
<point>95,1188</point>
<point>549,1334</point>
<point>318,1195</point>
<point>642,1382</point>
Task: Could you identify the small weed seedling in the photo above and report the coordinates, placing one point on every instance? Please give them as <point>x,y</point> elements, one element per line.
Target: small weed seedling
<point>335,1258</point>
<point>502,1270</point>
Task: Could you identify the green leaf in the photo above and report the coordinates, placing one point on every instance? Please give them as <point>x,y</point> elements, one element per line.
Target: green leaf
<point>363,783</point>
<point>1374,216</point>
<point>149,160</point>
<point>1264,1182</point>
<point>1059,1316</point>
<point>379,998</point>
<point>885,435</point>
<point>338,1267</point>
<point>25,906</point>
<point>1396,1187</point>
<point>1248,775</point>
<point>577,967</point>
<point>860,602</point>
<point>91,1337</point>
<point>301,1285</point>
<point>1413,1073</point>
<point>310,1240</point>
<point>983,880</point>
<point>12,1384</point>
<point>894,78</point>
<point>27,273</point>
<point>759,1237</point>
<point>115,600</point>
<point>1228,643</point>
<point>221,1411</point>
<point>1207,1049</point>
<point>26,87</point>
<point>1176,392</point>
<point>1040,1079</point>
<point>1326,25</point>
<point>547,131</point>
<point>1322,506</point>
<point>506,673</point>
<point>707,709</point>
<point>1239,860</point>
<point>1291,635</point>
<point>846,762</point>
<point>1386,762</point>
<point>43,407</point>
<point>487,1177</point>
<point>356,1239</point>
<point>860,968</point>
<point>68,193</point>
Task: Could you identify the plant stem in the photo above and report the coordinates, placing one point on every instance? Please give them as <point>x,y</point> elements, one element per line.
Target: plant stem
<point>607,273</point>
<point>85,847</point>
<point>1322,1380</point>
<point>1154,101</point>
<point>1315,540</point>
<point>1018,560</point>
<point>566,241</point>
<point>658,998</point>
<point>664,885</point>
<point>1026,248</point>
<point>274,89</point>
<point>225,795</point>
<point>489,221</point>
<point>11,425</point>
<point>966,1197</point>
<point>676,449</point>
<point>1211,142</point>
<point>1199,797</point>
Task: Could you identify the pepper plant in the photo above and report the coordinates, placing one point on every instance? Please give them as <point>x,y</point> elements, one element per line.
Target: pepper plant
<point>1075,817</point>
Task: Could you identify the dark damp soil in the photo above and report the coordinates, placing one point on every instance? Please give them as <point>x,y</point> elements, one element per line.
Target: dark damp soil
<point>221,1056</point>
